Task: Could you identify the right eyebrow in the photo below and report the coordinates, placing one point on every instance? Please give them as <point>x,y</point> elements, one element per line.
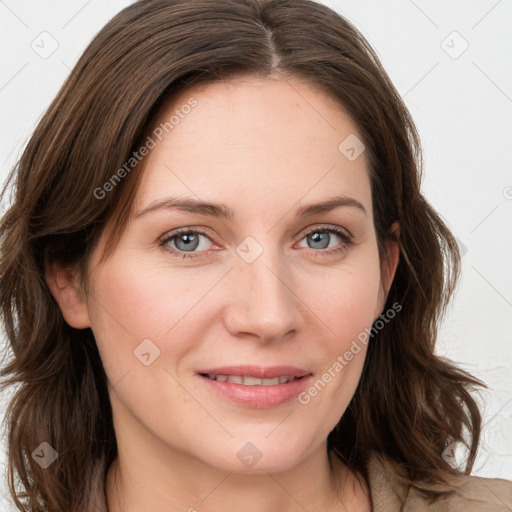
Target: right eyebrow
<point>189,205</point>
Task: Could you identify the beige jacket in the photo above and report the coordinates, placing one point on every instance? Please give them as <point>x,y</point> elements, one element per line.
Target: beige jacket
<point>475,495</point>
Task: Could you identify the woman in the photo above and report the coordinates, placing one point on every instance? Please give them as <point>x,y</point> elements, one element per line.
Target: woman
<point>221,283</point>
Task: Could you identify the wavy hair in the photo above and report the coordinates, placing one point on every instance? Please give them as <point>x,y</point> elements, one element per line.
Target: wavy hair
<point>410,403</point>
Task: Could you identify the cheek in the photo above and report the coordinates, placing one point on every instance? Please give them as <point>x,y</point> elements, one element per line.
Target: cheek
<point>348,299</point>
<point>133,301</point>
<point>149,301</point>
<point>347,304</point>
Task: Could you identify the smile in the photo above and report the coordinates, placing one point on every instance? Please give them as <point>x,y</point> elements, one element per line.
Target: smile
<point>247,380</point>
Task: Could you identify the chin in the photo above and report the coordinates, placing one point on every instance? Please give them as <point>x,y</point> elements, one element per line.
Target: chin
<point>259,455</point>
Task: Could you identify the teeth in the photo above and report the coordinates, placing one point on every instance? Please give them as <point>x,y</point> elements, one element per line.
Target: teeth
<point>251,381</point>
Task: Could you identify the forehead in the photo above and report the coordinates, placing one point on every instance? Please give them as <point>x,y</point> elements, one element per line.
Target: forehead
<point>256,139</point>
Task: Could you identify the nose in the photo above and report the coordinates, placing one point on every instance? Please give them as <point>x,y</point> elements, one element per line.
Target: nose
<point>262,303</point>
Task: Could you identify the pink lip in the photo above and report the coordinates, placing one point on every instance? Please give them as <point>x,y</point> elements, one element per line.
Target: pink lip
<point>257,371</point>
<point>258,397</point>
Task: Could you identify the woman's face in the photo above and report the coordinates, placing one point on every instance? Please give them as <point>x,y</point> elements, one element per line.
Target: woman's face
<point>276,288</point>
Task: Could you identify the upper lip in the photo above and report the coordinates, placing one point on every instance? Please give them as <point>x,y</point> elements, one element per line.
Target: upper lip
<point>268,372</point>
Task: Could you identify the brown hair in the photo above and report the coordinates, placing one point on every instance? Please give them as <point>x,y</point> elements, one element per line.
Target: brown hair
<point>410,403</point>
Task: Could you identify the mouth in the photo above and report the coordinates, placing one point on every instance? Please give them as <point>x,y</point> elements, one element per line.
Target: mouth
<point>256,387</point>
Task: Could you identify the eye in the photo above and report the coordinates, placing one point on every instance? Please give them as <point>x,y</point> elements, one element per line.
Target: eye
<point>322,237</point>
<point>184,241</point>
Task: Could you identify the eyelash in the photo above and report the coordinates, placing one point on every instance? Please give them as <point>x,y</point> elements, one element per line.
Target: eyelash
<point>347,240</point>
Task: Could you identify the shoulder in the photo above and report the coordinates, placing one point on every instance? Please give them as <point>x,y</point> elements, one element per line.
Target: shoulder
<point>474,494</point>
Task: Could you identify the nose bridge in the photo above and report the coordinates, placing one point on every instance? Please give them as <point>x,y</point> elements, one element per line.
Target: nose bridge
<point>264,303</point>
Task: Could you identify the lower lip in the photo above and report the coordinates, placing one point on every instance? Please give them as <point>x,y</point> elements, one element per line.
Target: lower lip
<point>258,397</point>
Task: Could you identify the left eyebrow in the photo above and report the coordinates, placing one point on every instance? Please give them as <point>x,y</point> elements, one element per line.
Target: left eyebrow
<point>222,211</point>
<point>327,206</point>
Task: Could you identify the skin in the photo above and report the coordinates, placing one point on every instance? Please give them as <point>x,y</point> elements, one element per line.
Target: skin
<point>262,148</point>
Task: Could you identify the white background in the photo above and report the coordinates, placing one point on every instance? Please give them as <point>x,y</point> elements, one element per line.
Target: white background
<point>462,107</point>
